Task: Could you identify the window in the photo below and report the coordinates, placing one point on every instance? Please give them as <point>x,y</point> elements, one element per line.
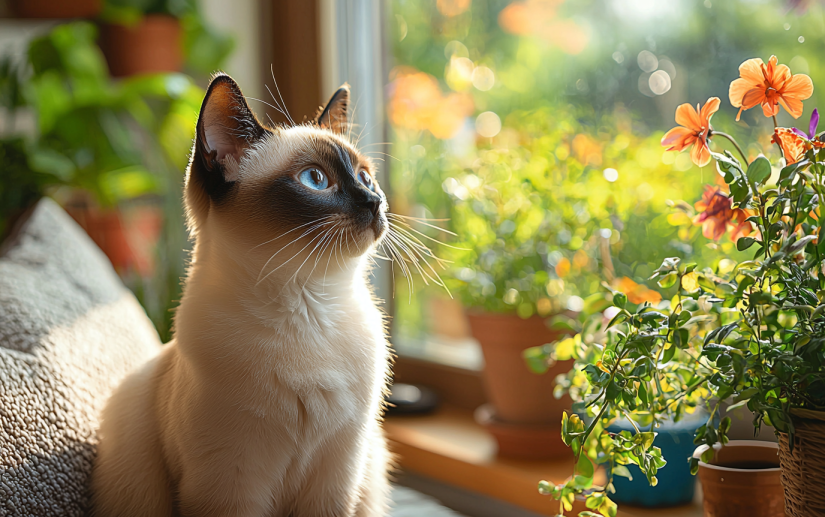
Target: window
<point>531,129</point>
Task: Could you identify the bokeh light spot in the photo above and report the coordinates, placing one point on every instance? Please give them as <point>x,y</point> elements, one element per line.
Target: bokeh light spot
<point>488,124</point>
<point>611,174</point>
<point>647,61</point>
<point>659,82</point>
<point>483,78</point>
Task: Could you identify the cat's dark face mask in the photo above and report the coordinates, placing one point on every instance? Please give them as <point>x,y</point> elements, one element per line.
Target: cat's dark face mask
<point>304,190</point>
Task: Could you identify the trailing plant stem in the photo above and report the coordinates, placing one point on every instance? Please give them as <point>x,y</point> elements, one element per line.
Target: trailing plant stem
<point>733,141</point>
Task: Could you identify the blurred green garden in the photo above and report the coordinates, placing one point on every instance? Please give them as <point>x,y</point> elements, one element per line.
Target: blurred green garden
<point>531,129</point>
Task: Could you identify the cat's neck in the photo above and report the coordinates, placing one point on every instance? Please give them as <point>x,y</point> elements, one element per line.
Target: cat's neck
<point>223,285</point>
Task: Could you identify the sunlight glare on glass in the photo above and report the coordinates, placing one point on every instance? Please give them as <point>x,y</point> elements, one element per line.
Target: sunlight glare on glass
<point>488,124</point>
<point>483,78</point>
<point>611,174</point>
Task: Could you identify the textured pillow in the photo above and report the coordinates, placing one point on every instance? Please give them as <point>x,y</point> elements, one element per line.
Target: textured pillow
<point>69,332</point>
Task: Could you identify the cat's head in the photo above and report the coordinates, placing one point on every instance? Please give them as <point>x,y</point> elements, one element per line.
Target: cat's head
<point>285,193</point>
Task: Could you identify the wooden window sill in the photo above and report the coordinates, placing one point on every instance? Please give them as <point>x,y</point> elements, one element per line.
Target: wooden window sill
<point>450,447</point>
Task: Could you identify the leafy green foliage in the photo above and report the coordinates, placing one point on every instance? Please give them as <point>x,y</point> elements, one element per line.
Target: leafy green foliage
<point>753,335</point>
<point>117,140</point>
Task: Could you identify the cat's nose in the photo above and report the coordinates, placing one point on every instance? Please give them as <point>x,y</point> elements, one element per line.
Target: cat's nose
<point>371,203</point>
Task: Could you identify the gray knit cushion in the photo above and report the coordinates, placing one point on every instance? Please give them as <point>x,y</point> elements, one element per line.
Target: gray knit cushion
<point>69,332</point>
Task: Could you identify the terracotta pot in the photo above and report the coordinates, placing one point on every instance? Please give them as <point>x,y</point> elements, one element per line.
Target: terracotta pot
<point>56,8</point>
<point>152,46</point>
<point>518,396</point>
<point>742,480</point>
<point>803,469</point>
<point>127,239</point>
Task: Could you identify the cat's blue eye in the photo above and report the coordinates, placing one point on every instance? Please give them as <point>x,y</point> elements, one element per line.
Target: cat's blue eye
<point>366,179</point>
<point>314,179</point>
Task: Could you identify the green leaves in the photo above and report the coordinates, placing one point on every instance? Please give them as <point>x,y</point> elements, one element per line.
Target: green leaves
<point>751,334</point>
<point>759,170</point>
<point>537,359</point>
<point>584,467</point>
<point>744,243</point>
<point>668,281</point>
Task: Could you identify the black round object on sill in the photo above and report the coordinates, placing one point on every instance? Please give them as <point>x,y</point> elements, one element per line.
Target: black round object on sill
<point>409,399</point>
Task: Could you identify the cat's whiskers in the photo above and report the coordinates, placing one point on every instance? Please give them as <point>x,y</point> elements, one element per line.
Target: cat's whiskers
<point>328,240</point>
<point>416,242</point>
<point>306,232</point>
<point>327,234</point>
<point>292,230</point>
<point>403,246</point>
<point>293,256</point>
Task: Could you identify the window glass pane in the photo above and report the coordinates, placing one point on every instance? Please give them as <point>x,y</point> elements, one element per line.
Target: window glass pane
<point>532,129</point>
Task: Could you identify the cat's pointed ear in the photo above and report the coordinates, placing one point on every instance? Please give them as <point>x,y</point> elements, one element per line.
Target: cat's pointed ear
<point>226,128</point>
<point>335,116</point>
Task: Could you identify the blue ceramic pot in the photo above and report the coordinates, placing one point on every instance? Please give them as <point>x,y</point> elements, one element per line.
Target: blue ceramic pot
<point>676,485</point>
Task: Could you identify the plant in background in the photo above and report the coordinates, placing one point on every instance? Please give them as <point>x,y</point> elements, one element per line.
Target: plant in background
<point>117,140</point>
<point>205,48</point>
<point>750,333</point>
<point>542,224</point>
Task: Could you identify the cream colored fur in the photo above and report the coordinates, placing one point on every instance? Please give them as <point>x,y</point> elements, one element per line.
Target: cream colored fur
<point>268,400</point>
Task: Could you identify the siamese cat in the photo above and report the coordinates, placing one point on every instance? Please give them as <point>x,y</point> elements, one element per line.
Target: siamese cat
<point>268,401</point>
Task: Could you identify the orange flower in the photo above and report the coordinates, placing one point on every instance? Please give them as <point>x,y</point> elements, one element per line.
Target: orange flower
<point>416,102</point>
<point>769,85</point>
<point>637,293</point>
<point>793,146</point>
<point>694,128</point>
<point>717,214</point>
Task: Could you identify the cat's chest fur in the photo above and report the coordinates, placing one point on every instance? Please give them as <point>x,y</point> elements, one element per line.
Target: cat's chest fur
<point>312,361</point>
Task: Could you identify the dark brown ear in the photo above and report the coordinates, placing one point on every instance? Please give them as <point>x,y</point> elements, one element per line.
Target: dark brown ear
<point>226,129</point>
<point>334,116</point>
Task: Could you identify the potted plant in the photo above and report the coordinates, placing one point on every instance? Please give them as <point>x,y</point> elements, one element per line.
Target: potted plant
<point>111,152</point>
<point>152,36</point>
<point>749,333</point>
<point>540,227</point>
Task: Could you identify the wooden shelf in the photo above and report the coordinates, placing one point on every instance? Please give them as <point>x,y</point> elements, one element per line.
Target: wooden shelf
<point>450,447</point>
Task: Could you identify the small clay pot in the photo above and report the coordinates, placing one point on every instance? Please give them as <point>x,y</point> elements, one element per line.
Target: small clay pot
<point>55,9</point>
<point>152,46</point>
<point>518,396</point>
<point>743,479</point>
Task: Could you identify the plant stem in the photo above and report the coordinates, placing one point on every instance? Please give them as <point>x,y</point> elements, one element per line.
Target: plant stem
<point>735,144</point>
<point>776,125</point>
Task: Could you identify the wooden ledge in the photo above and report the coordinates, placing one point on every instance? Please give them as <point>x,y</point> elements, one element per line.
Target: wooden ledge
<point>450,447</point>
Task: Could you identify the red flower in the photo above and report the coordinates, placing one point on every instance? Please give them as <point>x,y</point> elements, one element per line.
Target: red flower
<point>717,214</point>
